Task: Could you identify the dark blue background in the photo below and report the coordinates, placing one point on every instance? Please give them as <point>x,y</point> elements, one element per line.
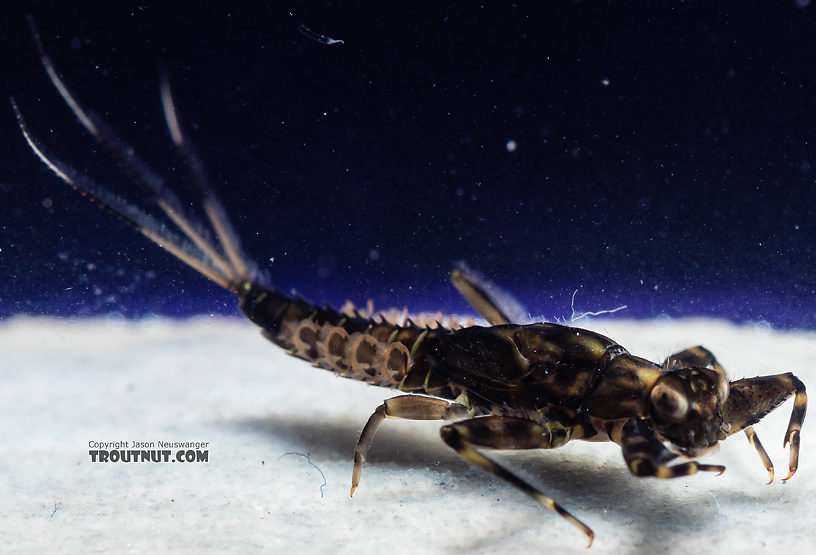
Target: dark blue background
<point>665,154</point>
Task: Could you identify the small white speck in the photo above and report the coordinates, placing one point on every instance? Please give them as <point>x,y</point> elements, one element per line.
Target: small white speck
<point>511,145</point>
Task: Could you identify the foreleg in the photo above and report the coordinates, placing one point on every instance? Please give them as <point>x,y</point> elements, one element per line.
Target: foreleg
<point>751,399</point>
<point>646,455</point>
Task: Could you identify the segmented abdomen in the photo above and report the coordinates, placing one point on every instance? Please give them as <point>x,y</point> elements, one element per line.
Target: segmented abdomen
<point>377,352</point>
<point>366,355</point>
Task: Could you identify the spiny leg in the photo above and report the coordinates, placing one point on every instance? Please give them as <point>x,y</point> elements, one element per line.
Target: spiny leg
<point>502,432</point>
<point>478,297</point>
<point>751,399</point>
<point>406,407</point>
<point>766,460</point>
<point>493,304</point>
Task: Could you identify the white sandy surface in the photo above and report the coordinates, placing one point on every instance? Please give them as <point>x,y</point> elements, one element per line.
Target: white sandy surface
<point>64,384</point>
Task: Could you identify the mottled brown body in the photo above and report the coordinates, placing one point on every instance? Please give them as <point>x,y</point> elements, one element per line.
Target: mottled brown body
<point>504,386</point>
<point>532,386</point>
<point>512,367</point>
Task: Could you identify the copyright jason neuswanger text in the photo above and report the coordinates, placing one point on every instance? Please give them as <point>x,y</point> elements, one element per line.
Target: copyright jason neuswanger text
<point>149,451</point>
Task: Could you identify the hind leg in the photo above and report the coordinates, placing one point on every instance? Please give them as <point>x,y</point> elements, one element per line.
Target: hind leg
<point>406,407</point>
<point>465,437</point>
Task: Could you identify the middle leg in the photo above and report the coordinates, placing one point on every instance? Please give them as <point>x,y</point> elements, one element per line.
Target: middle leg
<point>504,432</point>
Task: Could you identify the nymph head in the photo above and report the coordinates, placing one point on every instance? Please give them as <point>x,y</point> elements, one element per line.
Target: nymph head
<point>686,407</point>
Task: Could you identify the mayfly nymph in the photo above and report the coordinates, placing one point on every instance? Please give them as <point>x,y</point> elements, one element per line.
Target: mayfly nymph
<point>501,386</point>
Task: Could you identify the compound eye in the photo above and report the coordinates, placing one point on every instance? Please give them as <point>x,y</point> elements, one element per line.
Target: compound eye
<point>669,403</point>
